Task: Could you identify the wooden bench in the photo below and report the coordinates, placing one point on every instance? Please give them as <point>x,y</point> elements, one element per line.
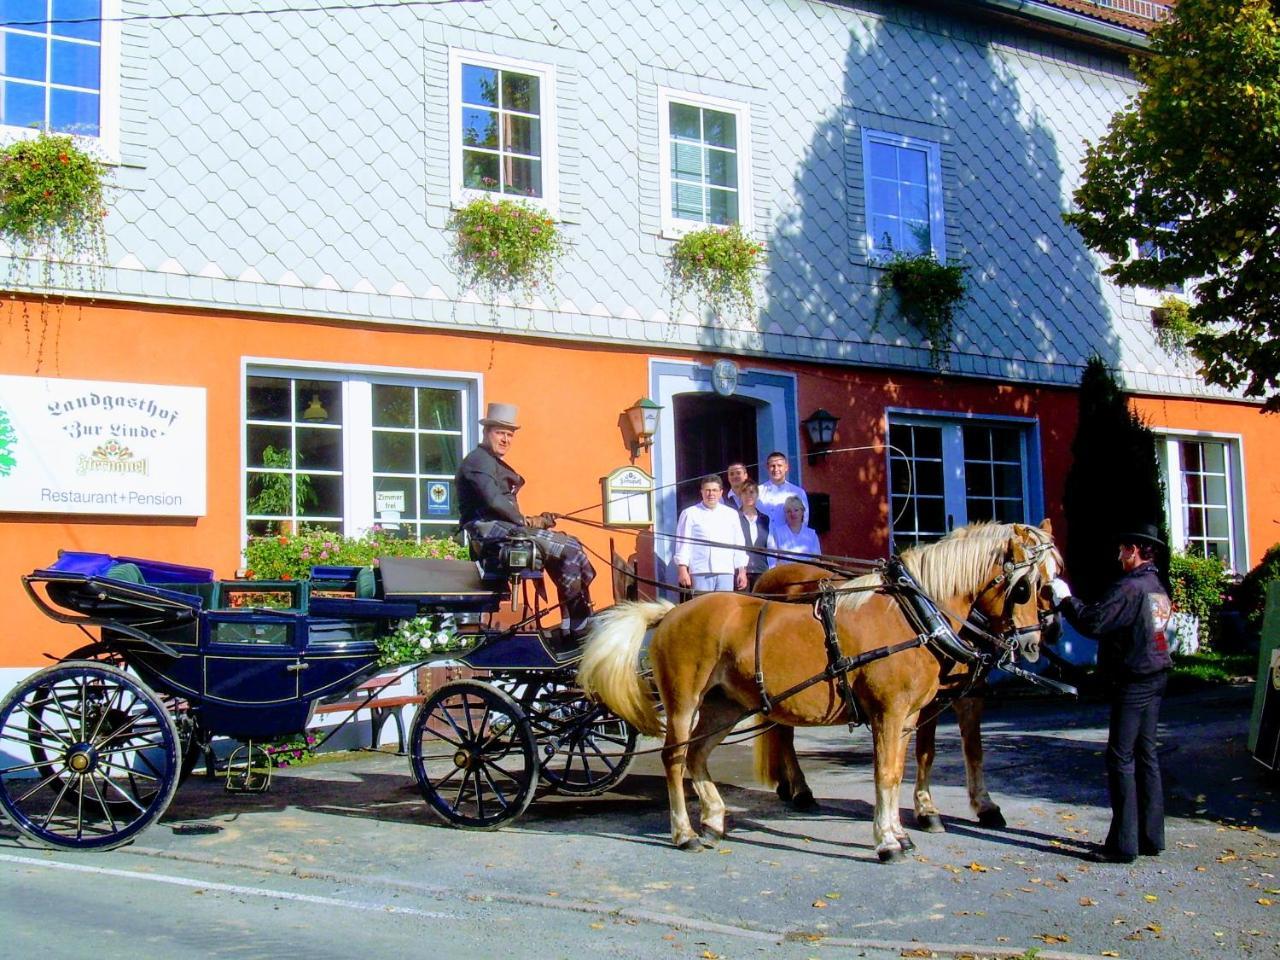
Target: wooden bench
<point>381,709</point>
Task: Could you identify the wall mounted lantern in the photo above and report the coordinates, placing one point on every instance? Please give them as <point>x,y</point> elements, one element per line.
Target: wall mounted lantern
<point>821,428</point>
<point>643,419</point>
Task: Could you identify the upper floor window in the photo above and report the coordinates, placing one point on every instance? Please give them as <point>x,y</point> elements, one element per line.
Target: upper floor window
<point>1204,481</point>
<point>503,128</point>
<point>903,180</point>
<point>705,161</point>
<point>945,473</point>
<point>1150,249</point>
<point>51,64</point>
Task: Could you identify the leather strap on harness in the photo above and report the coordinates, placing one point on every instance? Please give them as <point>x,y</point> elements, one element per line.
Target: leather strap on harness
<point>766,705</point>
<point>824,609</point>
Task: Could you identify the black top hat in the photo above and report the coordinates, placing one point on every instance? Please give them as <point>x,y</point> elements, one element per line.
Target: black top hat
<point>1142,533</point>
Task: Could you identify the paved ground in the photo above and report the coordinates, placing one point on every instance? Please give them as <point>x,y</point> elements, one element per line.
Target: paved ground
<point>347,851</point>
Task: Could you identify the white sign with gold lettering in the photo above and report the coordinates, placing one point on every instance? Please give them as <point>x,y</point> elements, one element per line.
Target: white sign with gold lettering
<point>92,446</point>
<point>627,494</point>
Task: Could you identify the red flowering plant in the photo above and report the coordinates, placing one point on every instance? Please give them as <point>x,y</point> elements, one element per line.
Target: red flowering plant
<point>291,556</point>
<point>504,246</point>
<point>718,265</point>
<point>51,208</point>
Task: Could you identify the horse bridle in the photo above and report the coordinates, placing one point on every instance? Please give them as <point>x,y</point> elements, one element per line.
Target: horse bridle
<point>1017,574</point>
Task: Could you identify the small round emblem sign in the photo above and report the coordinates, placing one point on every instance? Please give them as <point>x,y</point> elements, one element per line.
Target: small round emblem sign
<point>724,377</point>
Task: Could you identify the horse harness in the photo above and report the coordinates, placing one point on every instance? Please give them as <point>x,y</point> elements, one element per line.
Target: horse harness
<point>932,630</point>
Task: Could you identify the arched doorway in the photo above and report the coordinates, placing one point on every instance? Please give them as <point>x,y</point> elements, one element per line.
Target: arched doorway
<point>711,433</point>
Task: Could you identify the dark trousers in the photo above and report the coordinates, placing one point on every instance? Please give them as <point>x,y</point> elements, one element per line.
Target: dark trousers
<point>1133,767</point>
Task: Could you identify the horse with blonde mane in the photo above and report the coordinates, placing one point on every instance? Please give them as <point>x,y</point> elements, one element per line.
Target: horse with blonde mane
<point>723,656</point>
<point>777,765</point>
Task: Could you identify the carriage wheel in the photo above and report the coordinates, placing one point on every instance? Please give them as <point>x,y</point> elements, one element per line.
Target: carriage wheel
<point>584,748</point>
<point>88,756</point>
<point>473,755</point>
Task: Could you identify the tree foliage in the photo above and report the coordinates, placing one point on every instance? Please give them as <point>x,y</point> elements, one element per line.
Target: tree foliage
<point>1113,483</point>
<point>1189,173</point>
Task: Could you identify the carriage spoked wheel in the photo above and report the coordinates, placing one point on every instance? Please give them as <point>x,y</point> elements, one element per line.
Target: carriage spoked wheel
<point>89,756</point>
<point>473,755</point>
<point>584,748</point>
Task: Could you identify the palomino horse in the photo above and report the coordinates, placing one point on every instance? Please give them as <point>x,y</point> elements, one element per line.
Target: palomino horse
<point>776,761</point>
<point>704,660</point>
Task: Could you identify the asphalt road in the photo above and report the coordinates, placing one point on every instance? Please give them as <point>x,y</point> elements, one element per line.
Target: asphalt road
<point>344,860</point>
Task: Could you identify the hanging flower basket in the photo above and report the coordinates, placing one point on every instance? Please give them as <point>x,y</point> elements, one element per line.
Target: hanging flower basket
<point>51,208</point>
<point>928,292</point>
<point>1173,325</point>
<point>718,266</point>
<point>504,247</point>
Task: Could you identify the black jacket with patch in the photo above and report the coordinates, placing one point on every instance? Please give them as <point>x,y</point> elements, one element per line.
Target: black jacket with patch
<point>1130,623</point>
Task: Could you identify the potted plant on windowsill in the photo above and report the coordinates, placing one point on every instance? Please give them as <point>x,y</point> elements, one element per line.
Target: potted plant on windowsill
<point>504,247</point>
<point>51,208</point>
<point>1173,325</point>
<point>718,265</point>
<point>928,294</point>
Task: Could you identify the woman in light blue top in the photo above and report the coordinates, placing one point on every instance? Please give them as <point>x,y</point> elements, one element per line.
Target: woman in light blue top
<point>793,536</point>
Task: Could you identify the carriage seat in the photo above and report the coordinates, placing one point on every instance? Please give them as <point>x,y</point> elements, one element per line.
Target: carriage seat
<point>457,584</point>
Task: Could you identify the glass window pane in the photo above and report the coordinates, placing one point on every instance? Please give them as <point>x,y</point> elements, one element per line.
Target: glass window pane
<point>479,128</point>
<point>883,160</point>
<point>269,494</point>
<point>899,476</point>
<point>268,446</point>
<point>519,92</point>
<point>392,452</point>
<point>427,500</point>
<point>24,11</point>
<point>318,401</point>
<point>933,515</point>
<point>75,64</point>
<point>439,409</point>
<point>928,442</point>
<point>1008,481</point>
<point>405,487</point>
<point>977,480</point>
<point>24,56</point>
<point>269,398</point>
<point>392,406</point>
<point>73,112</point>
<point>479,85</point>
<point>66,12</point>
<point>686,201</point>
<point>979,509</point>
<point>885,233</point>
<point>319,496</point>
<point>319,448</point>
<point>686,161</point>
<point>1215,457</point>
<point>684,122</point>
<point>913,166</point>
<point>915,202</point>
<point>479,170</point>
<point>1215,491</point>
<point>915,237</point>
<point>1191,456</point>
<point>720,129</point>
<point>1195,522</point>
<point>977,443</point>
<point>1006,445</point>
<point>1009,511</point>
<point>439,455</point>
<point>722,206</point>
<point>883,197</point>
<point>524,177</point>
<point>928,477</point>
<point>722,168</point>
<point>23,105</point>
<point>1216,522</point>
<point>522,135</point>
<point>1193,488</point>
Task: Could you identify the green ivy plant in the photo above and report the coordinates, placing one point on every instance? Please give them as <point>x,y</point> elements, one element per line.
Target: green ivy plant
<point>1173,325</point>
<point>504,247</point>
<point>51,208</point>
<point>928,293</point>
<point>1197,585</point>
<point>718,266</point>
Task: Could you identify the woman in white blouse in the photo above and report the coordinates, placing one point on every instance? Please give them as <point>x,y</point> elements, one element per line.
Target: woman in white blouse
<point>793,536</point>
<point>709,554</point>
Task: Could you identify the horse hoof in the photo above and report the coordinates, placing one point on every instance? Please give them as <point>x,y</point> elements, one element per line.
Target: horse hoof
<point>893,854</point>
<point>803,801</point>
<point>906,843</point>
<point>784,792</point>
<point>992,818</point>
<point>930,823</point>
<point>711,836</point>
<point>690,844</point>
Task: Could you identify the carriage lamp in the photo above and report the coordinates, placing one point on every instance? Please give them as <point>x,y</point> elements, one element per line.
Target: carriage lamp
<point>315,412</point>
<point>821,427</point>
<point>643,418</point>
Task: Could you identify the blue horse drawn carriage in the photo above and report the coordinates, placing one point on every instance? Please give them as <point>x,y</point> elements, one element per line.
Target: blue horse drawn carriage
<point>93,748</point>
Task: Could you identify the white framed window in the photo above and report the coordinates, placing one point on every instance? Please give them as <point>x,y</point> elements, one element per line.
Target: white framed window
<point>345,450</point>
<point>945,472</point>
<point>502,129</point>
<point>1204,480</point>
<point>704,162</point>
<point>1146,296</point>
<point>60,70</point>
<point>903,182</point>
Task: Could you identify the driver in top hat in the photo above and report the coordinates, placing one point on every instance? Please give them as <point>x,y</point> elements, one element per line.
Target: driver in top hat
<point>1130,622</point>
<point>487,490</point>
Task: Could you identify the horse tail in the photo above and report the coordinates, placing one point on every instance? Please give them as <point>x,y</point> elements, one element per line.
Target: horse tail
<point>769,771</point>
<point>610,666</point>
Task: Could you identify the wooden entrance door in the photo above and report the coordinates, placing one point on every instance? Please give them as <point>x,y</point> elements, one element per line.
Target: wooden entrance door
<point>711,433</point>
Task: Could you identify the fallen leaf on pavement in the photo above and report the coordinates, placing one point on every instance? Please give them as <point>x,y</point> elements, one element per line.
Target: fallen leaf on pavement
<point>1088,902</point>
<point>820,904</point>
<point>976,867</point>
<point>916,953</point>
<point>1150,897</point>
<point>1052,937</point>
<point>1266,901</point>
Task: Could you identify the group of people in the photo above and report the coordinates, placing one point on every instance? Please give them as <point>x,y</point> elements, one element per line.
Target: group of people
<point>727,539</point>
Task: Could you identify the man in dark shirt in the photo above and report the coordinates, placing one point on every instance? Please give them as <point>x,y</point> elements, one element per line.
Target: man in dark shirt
<point>1130,623</point>
<point>488,510</point>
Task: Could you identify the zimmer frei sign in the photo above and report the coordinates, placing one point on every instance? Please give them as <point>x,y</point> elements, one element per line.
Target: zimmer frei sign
<point>90,446</point>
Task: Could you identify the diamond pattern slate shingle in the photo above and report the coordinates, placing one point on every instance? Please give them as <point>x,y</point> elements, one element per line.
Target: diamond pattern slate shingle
<point>304,157</point>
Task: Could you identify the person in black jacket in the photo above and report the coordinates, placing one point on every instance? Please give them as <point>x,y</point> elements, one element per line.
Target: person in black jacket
<point>488,510</point>
<point>1130,623</point>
